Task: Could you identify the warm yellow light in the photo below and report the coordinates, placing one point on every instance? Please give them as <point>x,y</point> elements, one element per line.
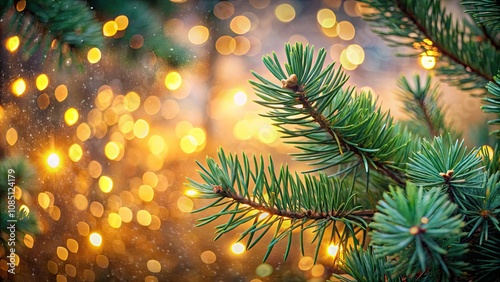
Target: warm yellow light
<point>156,144</point>
<point>121,22</point>
<point>198,34</point>
<point>141,128</point>
<point>355,54</point>
<point>44,200</point>
<point>173,80</point>
<point>267,134</point>
<point>53,160</point>
<point>95,239</point>
<point>240,24</point>
<point>153,266</point>
<point>347,30</point>
<point>223,10</point>
<point>71,116</point>
<point>486,150</point>
<point>125,214</point>
<point>143,217</point>
<point>105,184</point>
<point>94,55</point>
<point>188,144</point>
<point>11,136</point>
<point>18,87</point>
<point>191,192</point>
<point>114,220</point>
<point>146,193</point>
<point>112,150</point>
<point>225,45</point>
<point>326,18</point>
<point>61,92</point>
<point>109,28</point>
<point>285,13</point>
<point>198,134</point>
<point>132,101</point>
<point>42,81</point>
<point>238,248</point>
<point>24,209</point>
<point>83,131</point>
<point>427,62</point>
<point>263,215</point>
<point>240,98</point>
<point>12,43</point>
<point>333,250</point>
<point>75,152</point>
<point>242,130</point>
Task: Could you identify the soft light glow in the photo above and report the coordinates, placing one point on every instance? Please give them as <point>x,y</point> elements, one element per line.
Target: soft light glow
<point>191,192</point>
<point>141,128</point>
<point>121,22</point>
<point>61,92</point>
<point>427,62</point>
<point>146,193</point>
<point>105,184</point>
<point>208,257</point>
<point>42,81</point>
<point>240,98</point>
<point>285,13</point>
<point>223,10</point>
<point>333,250</point>
<point>173,80</point>
<point>326,18</point>
<point>18,87</point>
<point>240,25</point>
<point>125,214</point>
<point>12,43</point>
<point>95,239</point>
<point>75,152</point>
<point>53,160</point>
<point>225,45</point>
<point>188,144</point>
<point>112,150</point>
<point>198,34</point>
<point>143,217</point>
<point>156,144</point>
<point>355,54</point>
<point>132,101</point>
<point>71,116</point>
<point>154,266</point>
<point>238,248</point>
<point>347,30</point>
<point>94,55</point>
<point>114,220</point>
<point>11,136</point>
<point>109,28</point>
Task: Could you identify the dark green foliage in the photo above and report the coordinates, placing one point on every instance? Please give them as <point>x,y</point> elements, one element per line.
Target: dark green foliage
<point>69,22</point>
<point>493,102</point>
<point>419,231</point>
<point>248,188</point>
<point>485,12</point>
<point>463,61</point>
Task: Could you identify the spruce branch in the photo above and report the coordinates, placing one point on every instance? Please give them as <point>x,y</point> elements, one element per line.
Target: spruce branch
<point>426,25</point>
<point>421,101</point>
<point>484,12</point>
<point>330,125</point>
<point>493,102</point>
<point>257,198</point>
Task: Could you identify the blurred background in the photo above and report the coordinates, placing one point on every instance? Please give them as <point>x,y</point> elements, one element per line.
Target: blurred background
<point>113,137</point>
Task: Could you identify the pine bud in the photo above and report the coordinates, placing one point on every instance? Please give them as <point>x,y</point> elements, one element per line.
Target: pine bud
<point>291,82</point>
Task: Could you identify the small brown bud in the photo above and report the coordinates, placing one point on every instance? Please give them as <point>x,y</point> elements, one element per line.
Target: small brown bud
<point>414,230</point>
<point>291,82</point>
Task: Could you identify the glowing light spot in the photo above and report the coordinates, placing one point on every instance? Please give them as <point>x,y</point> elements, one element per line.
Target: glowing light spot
<point>12,43</point>
<point>317,270</point>
<point>143,217</point>
<point>21,5</point>
<point>198,34</point>
<point>285,13</point>
<point>112,150</point>
<point>125,214</point>
<point>188,144</point>
<point>18,87</point>
<point>152,105</point>
<point>224,10</point>
<point>208,257</point>
<point>11,136</point>
<point>24,209</point>
<point>43,101</point>
<point>42,81</point>
<point>240,98</point>
<point>83,131</point>
<point>169,109</point>
<point>136,41</point>
<point>486,150</point>
<point>62,253</point>
<point>105,184</point>
<point>102,261</point>
<point>242,45</point>
<point>191,193</point>
<point>225,45</point>
<point>114,220</point>
<point>355,54</point>
<point>109,28</point>
<point>154,266</point>
<point>83,228</point>
<point>29,241</point>
<point>347,30</point>
<point>185,204</point>
<point>427,62</point>
<point>146,193</point>
<point>95,239</point>
<point>332,31</point>
<point>263,215</point>
<point>332,250</point>
<point>238,248</point>
<point>104,98</point>
<point>75,152</point>
<point>326,18</point>
<point>156,144</point>
<point>71,116</point>
<point>94,55</point>
<point>52,267</point>
<point>173,80</point>
<point>53,160</point>
<point>267,134</point>
<point>70,270</point>
<point>121,22</point>
<point>132,101</point>
<point>141,128</point>
<point>346,64</point>
<point>80,202</point>
<point>240,24</point>
<point>43,200</point>
<point>61,92</point>
<point>241,130</point>
<point>199,135</point>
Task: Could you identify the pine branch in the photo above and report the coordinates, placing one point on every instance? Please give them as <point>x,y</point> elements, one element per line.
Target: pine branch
<point>246,192</point>
<point>493,102</point>
<point>325,121</point>
<point>468,64</point>
<point>484,12</point>
<point>421,102</point>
